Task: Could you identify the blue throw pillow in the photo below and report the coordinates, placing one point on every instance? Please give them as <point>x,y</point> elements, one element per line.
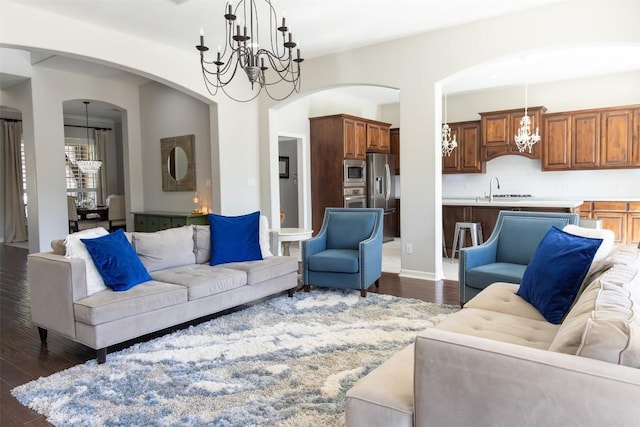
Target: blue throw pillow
<point>235,238</point>
<point>556,271</point>
<point>117,261</point>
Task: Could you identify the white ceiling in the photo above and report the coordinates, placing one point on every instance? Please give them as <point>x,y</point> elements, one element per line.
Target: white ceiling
<point>325,26</point>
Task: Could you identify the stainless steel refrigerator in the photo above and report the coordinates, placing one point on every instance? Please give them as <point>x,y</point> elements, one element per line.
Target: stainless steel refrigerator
<point>380,188</point>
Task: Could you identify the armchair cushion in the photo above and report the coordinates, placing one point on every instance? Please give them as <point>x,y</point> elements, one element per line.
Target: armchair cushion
<point>348,229</point>
<point>519,239</point>
<point>556,271</point>
<point>335,260</point>
<point>484,275</point>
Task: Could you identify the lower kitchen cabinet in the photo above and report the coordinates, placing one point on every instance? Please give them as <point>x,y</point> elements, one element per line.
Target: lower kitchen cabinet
<point>621,217</point>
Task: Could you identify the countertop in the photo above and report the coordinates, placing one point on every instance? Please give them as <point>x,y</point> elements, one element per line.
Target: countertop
<point>513,202</point>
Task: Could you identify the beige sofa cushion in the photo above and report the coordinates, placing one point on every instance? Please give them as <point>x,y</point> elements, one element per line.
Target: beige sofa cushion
<point>166,248</point>
<point>202,280</point>
<point>107,306</point>
<point>501,298</point>
<point>604,323</point>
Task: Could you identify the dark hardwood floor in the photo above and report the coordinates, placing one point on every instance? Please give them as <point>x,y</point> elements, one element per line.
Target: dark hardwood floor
<point>23,358</point>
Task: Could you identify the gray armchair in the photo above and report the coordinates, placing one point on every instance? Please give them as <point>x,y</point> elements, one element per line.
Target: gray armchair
<point>347,252</point>
<point>505,256</point>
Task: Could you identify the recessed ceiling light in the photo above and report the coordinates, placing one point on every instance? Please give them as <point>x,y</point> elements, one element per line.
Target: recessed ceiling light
<point>178,2</point>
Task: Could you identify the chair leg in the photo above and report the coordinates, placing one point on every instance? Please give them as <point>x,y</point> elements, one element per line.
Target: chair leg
<point>363,293</point>
<point>306,288</point>
<point>377,282</point>
<point>43,335</point>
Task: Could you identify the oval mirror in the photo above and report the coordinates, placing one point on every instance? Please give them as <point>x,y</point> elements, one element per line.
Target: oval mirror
<point>177,163</point>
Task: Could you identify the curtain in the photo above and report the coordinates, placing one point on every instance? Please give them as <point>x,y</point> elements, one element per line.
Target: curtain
<point>15,229</point>
<point>101,138</point>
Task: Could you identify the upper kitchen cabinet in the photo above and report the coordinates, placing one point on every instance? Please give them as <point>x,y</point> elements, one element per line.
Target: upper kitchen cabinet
<point>466,157</point>
<point>499,129</point>
<point>355,135</point>
<point>378,137</point>
<point>605,138</point>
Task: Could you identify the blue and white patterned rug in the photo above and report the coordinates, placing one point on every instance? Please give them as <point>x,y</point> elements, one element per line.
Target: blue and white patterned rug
<point>284,362</point>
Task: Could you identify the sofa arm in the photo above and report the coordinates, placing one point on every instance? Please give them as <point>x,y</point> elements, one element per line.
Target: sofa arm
<point>467,380</point>
<point>55,282</point>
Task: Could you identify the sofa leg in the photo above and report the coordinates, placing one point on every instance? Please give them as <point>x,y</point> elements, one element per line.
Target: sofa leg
<point>363,293</point>
<point>101,355</point>
<point>43,335</point>
<point>306,288</point>
<point>290,292</point>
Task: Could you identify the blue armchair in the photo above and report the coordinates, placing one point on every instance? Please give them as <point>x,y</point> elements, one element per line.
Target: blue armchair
<point>347,252</point>
<point>505,256</point>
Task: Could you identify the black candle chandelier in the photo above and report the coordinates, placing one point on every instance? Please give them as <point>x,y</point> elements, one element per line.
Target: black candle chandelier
<point>242,49</point>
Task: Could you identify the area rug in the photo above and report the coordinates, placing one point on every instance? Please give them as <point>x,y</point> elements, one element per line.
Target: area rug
<point>284,362</point>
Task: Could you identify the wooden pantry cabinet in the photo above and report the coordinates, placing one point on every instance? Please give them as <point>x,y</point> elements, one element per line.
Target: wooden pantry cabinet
<point>332,140</point>
<point>603,138</point>
<point>499,129</point>
<point>466,157</point>
<point>621,217</point>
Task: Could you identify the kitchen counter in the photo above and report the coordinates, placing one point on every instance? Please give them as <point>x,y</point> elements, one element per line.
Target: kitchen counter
<point>520,202</point>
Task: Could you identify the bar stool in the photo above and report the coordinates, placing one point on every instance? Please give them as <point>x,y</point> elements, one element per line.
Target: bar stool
<point>475,228</point>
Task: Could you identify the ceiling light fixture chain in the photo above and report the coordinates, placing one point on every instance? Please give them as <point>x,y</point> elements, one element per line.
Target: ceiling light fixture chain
<point>524,139</point>
<point>449,143</point>
<point>90,165</point>
<point>242,50</point>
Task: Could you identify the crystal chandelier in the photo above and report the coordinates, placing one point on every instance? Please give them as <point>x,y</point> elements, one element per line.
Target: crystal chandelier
<point>243,49</point>
<point>449,143</point>
<point>524,139</point>
<point>88,166</point>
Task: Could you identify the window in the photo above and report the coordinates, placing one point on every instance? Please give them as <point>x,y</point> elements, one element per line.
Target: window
<point>83,186</point>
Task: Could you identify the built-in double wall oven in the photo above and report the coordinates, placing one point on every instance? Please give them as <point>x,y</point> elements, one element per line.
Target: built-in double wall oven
<point>355,197</point>
<point>354,181</point>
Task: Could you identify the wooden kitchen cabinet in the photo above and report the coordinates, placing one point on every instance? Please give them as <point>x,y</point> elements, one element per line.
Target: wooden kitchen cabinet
<point>604,138</point>
<point>616,139</point>
<point>378,137</point>
<point>499,129</point>
<point>466,157</point>
<point>633,224</point>
<point>355,135</point>
<point>621,217</point>
<point>394,136</point>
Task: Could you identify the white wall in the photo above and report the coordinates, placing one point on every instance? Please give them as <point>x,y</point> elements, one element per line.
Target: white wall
<point>165,112</point>
<point>519,175</point>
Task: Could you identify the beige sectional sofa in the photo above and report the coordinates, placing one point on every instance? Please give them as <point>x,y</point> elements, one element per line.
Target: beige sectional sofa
<point>498,362</point>
<point>184,287</point>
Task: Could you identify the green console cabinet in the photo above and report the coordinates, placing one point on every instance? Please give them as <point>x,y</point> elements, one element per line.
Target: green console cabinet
<point>159,220</point>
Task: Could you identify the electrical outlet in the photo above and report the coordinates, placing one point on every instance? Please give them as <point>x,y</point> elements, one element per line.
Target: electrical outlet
<point>409,248</point>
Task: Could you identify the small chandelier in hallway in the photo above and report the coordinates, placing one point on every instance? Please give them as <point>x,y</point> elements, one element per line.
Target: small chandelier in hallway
<point>91,165</point>
<point>524,139</point>
<point>244,50</point>
<point>449,143</point>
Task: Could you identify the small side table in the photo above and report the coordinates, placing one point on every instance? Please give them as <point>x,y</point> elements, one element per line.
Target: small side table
<point>288,235</point>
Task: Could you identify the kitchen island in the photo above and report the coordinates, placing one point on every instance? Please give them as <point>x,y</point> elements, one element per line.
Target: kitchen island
<point>486,212</point>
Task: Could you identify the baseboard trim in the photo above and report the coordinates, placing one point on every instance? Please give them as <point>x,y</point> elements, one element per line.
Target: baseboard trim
<point>423,275</point>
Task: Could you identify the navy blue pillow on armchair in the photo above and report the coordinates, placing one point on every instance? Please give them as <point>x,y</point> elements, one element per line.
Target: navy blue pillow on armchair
<point>235,238</point>
<point>556,271</point>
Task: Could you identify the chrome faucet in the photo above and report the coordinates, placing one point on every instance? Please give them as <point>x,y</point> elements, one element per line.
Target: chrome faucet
<point>491,187</point>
